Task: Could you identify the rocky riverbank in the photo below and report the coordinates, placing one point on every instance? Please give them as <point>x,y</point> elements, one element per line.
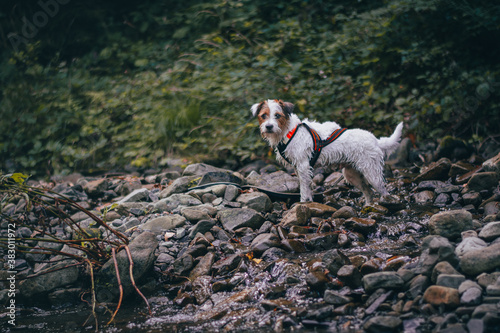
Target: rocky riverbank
<point>233,258</point>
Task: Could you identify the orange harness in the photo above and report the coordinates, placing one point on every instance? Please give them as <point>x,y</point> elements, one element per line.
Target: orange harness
<point>318,144</point>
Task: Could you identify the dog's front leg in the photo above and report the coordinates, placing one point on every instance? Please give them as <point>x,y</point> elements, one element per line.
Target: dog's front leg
<point>304,171</point>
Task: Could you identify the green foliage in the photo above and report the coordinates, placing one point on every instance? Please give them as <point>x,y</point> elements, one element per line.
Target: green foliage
<point>103,85</point>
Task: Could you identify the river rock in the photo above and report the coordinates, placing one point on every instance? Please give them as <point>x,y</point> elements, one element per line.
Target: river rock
<point>263,242</point>
<point>482,181</point>
<point>47,282</point>
<point>380,324</point>
<point>204,266</point>
<point>439,295</point>
<point>424,197</point>
<point>335,298</point>
<point>198,213</point>
<point>162,223</point>
<point>201,227</point>
<point>142,250</point>
<point>183,264</point>
<point>136,195</point>
<point>237,218</point>
<point>344,212</point>
<point>256,200</point>
<point>361,225</point>
<point>226,264</point>
<point>298,215</point>
<point>450,224</point>
<point>95,188</point>
<point>174,201</point>
<point>450,280</point>
<point>471,297</point>
<point>469,244</point>
<point>493,165</point>
<point>386,280</point>
<point>490,231</point>
<point>334,259</point>
<point>180,185</point>
<point>435,171</point>
<point>202,288</point>
<point>278,181</point>
<point>479,261</point>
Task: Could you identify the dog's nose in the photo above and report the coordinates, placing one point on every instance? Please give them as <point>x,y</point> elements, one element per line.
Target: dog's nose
<point>269,127</point>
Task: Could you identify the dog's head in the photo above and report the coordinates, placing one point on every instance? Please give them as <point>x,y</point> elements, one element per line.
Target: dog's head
<point>274,117</point>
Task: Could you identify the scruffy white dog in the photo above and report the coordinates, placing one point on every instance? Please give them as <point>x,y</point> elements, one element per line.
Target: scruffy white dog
<point>303,143</point>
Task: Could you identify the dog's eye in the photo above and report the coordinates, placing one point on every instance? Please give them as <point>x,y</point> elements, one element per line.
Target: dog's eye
<point>278,116</point>
<point>263,116</point>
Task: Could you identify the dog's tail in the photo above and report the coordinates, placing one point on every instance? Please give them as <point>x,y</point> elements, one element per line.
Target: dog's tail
<point>390,144</point>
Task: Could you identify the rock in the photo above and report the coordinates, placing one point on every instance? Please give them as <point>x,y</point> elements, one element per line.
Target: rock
<point>479,261</point>
<point>471,297</point>
<point>179,185</point>
<point>491,208</point>
<point>278,181</point>
<point>263,242</point>
<point>202,288</point>
<point>47,282</point>
<point>350,276</point>
<point>163,223</point>
<point>142,249</point>
<point>95,188</point>
<point>136,195</point>
<point>443,267</point>
<point>471,198</point>
<point>256,200</point>
<point>469,244</point>
<point>293,245</point>
<point>335,298</point>
<point>438,295</point>
<point>334,259</point>
<point>344,212</point>
<point>319,209</point>
<point>226,264</point>
<point>201,227</point>
<point>450,280</point>
<point>435,171</point>
<point>199,169</point>
<point>361,225</point>
<point>386,280</point>
<point>490,231</point>
<point>482,181</point>
<point>298,215</point>
<point>317,280</point>
<point>424,197</point>
<point>225,176</point>
<point>174,201</point>
<point>381,324</point>
<point>183,264</point>
<point>321,241</point>
<point>418,284</point>
<point>273,254</point>
<point>198,213</point>
<point>493,165</point>
<point>204,266</point>
<point>135,208</point>
<point>231,193</point>
<point>450,224</point>
<point>237,218</point>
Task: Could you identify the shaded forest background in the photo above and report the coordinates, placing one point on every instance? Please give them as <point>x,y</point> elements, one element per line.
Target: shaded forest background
<point>96,85</point>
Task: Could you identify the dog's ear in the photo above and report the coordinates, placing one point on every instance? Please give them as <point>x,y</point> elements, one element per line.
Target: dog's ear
<point>287,107</point>
<point>256,108</point>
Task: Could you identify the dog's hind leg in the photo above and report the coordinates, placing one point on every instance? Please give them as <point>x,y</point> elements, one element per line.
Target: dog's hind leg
<point>356,179</point>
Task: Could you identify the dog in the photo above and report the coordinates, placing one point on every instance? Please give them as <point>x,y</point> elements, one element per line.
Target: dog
<point>305,144</point>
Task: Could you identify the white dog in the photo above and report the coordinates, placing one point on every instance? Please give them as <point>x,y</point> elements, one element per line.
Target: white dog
<point>303,143</point>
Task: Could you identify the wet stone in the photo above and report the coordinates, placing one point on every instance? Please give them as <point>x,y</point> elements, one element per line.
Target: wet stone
<point>450,224</point>
<point>293,245</point>
<point>386,280</point>
<point>255,200</point>
<point>482,181</point>
<point>263,242</point>
<point>469,244</point>
<point>236,218</point>
<point>383,324</point>
<point>335,298</point>
<point>201,227</point>
<point>439,295</point>
<point>163,223</point>
<point>479,261</point>
<point>273,253</point>
<point>362,225</point>
<point>350,276</point>
<point>435,171</point>
<point>183,265</point>
<point>450,280</point>
<point>490,231</point>
<point>344,212</point>
<point>226,264</point>
<point>471,297</point>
